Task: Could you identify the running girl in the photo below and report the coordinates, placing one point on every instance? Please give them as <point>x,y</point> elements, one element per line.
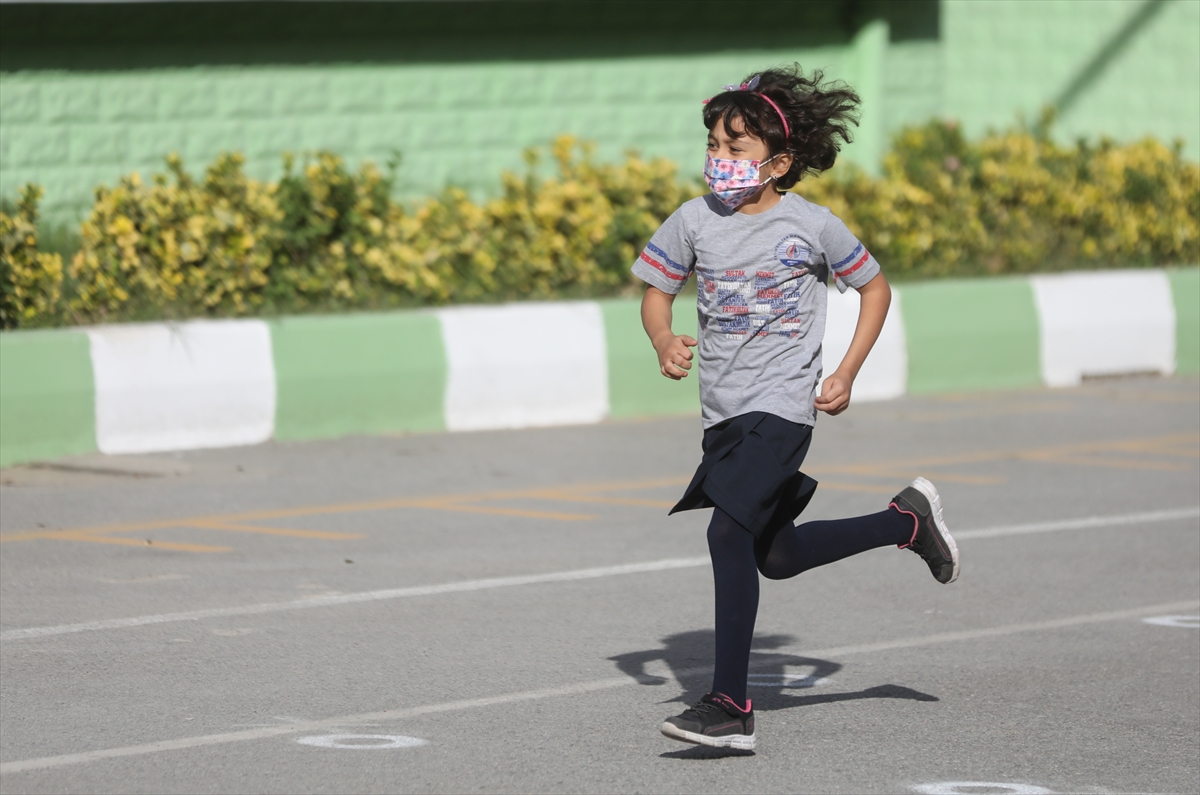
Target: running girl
<point>762,259</point>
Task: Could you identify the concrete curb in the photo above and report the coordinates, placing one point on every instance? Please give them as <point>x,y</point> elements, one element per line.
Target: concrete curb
<point>1104,324</point>
<point>156,386</point>
<point>525,365</point>
<point>204,383</point>
<point>362,373</point>
<point>47,395</point>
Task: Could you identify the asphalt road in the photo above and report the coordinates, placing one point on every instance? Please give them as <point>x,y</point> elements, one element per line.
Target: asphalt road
<point>514,612</point>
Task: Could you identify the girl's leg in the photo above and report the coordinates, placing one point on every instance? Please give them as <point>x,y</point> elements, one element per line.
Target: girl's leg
<point>794,549</point>
<point>735,575</point>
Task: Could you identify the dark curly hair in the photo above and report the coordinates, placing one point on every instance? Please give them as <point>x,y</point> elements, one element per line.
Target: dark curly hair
<point>819,116</point>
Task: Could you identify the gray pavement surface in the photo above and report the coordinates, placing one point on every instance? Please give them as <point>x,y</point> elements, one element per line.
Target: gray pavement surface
<point>514,611</point>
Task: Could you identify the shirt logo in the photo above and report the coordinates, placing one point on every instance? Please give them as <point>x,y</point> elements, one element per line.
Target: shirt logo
<point>792,251</point>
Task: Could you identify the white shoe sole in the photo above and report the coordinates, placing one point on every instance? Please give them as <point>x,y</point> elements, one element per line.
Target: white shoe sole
<point>935,502</point>
<point>740,742</point>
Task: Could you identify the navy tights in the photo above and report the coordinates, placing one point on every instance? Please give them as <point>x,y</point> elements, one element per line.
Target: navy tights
<point>737,558</point>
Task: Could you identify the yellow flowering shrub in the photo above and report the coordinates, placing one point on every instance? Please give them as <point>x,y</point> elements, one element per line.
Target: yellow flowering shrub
<point>30,280</point>
<point>1016,202</point>
<point>324,237</point>
<point>345,243</point>
<point>581,231</point>
<point>176,247</point>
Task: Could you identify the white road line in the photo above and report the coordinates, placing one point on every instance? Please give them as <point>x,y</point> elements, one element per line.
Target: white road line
<point>535,579</point>
<point>992,632</point>
<point>1082,523</point>
<point>366,596</point>
<point>247,735</point>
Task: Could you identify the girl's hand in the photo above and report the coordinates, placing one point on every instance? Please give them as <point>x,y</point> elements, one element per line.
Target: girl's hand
<point>876,298</point>
<point>835,394</point>
<point>674,358</point>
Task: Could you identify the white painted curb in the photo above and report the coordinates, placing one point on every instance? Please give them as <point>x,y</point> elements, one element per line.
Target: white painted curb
<point>206,383</point>
<point>1106,323</point>
<point>525,365</point>
<point>212,383</point>
<point>884,375</point>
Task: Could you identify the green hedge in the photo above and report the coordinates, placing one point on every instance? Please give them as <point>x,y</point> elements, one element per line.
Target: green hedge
<point>1016,202</point>
<point>325,238</point>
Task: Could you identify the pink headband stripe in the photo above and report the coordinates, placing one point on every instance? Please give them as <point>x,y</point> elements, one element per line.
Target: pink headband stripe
<point>750,87</point>
<point>786,133</point>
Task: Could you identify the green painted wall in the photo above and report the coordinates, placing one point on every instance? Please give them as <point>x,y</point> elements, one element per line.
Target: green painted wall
<point>1185,292</point>
<point>970,334</point>
<point>47,401</point>
<point>73,131</point>
<point>91,92</point>
<point>1124,68</point>
<point>363,373</point>
<point>912,84</point>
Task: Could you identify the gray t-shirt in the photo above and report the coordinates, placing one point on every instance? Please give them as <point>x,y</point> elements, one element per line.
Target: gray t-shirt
<point>761,296</point>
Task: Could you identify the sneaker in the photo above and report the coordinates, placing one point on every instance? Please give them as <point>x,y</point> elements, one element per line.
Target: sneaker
<point>715,721</point>
<point>931,540</point>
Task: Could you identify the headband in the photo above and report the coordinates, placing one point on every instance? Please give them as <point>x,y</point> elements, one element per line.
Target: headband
<point>750,86</point>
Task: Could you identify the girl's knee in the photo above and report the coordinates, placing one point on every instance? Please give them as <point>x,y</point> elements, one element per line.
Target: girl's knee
<point>724,531</point>
<point>722,534</point>
<point>773,572</point>
<point>775,565</point>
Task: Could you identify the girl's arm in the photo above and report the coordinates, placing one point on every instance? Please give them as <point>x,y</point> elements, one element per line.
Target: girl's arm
<point>674,358</point>
<point>835,392</point>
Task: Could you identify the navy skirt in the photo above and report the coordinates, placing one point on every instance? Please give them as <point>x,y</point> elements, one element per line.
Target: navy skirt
<point>751,471</point>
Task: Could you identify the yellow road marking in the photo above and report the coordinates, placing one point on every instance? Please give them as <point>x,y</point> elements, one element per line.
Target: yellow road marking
<point>1174,445</point>
<point>893,468</point>
<point>833,485</point>
<point>1167,449</point>
<point>1150,397</point>
<point>1175,452</point>
<point>1006,411</point>
<point>618,485</point>
<point>276,531</point>
<point>1115,463</point>
<point>136,542</point>
<point>974,480</point>
<point>878,471</point>
<point>30,536</point>
<point>568,497</point>
<point>496,511</point>
<point>441,502</point>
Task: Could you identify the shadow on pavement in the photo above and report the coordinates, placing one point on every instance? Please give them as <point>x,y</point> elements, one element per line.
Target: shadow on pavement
<point>688,655</point>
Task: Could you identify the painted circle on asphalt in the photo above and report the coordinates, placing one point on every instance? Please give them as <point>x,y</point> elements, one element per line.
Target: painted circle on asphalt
<point>1187,622</point>
<point>981,788</point>
<point>358,742</point>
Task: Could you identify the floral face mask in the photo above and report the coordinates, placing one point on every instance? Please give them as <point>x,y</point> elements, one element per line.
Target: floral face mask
<point>734,181</point>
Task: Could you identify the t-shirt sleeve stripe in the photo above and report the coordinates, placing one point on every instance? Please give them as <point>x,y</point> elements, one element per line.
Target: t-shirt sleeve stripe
<point>861,261</point>
<point>853,254</point>
<point>668,272</point>
<point>670,263</point>
<point>659,266</point>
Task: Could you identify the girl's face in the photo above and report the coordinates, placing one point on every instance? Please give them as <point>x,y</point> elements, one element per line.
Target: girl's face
<point>745,146</point>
